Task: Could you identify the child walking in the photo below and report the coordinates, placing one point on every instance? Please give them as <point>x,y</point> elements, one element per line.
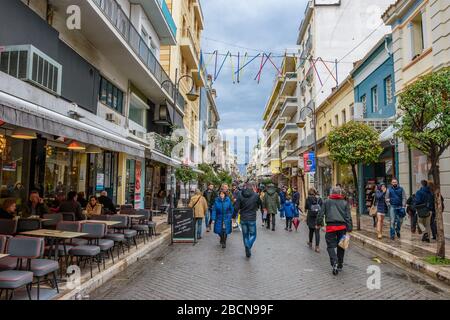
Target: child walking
<point>290,212</point>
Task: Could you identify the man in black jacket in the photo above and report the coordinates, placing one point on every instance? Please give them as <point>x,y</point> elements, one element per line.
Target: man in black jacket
<point>107,203</point>
<point>247,203</point>
<point>210,196</point>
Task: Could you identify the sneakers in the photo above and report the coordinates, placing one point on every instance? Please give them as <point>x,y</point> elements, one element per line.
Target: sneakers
<point>335,269</point>
<point>426,238</point>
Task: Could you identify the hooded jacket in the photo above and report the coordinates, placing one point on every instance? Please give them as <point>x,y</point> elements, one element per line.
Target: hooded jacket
<point>222,214</point>
<point>336,212</point>
<point>271,201</point>
<point>247,203</point>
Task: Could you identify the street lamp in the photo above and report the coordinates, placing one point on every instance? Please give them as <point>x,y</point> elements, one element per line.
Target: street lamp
<point>192,96</point>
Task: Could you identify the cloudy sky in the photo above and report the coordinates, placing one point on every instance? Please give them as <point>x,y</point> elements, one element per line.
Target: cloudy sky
<point>250,26</point>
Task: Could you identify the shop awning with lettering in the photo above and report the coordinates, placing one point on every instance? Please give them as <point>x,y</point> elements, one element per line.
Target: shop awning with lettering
<point>26,114</point>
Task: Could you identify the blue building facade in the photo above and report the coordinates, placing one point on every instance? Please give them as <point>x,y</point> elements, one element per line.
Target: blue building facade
<point>375,95</point>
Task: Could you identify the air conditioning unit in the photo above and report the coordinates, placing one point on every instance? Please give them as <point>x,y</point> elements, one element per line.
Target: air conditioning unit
<point>114,118</point>
<point>28,63</point>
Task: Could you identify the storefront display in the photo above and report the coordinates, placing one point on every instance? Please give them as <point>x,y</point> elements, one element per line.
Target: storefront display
<point>102,174</point>
<point>12,169</point>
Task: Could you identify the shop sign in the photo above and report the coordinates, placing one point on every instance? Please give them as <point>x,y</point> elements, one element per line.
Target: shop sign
<point>309,162</point>
<point>137,186</point>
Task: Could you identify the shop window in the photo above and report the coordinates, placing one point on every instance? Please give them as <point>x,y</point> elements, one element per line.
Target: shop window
<point>11,177</point>
<point>110,95</point>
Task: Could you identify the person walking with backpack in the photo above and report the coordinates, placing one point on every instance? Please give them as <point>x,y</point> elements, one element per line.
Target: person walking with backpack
<point>313,205</point>
<point>396,201</point>
<point>271,205</point>
<point>424,204</point>
<point>290,212</point>
<point>210,196</point>
<point>247,203</point>
<point>382,208</point>
<point>336,213</point>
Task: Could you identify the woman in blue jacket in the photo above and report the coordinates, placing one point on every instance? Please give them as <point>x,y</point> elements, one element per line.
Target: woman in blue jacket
<point>222,215</point>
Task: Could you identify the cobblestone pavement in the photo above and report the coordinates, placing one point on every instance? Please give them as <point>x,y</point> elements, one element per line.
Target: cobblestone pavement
<point>282,267</point>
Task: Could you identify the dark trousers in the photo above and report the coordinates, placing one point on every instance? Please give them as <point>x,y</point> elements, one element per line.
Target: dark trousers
<point>270,216</point>
<point>433,224</point>
<point>289,223</point>
<point>223,237</point>
<point>312,232</point>
<point>414,220</point>
<point>332,239</point>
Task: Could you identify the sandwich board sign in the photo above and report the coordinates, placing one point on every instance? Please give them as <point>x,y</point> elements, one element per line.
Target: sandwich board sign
<point>183,226</point>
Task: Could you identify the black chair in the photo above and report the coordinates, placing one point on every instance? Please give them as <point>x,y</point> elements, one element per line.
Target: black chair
<point>28,224</point>
<point>8,227</point>
<point>142,227</point>
<point>68,216</point>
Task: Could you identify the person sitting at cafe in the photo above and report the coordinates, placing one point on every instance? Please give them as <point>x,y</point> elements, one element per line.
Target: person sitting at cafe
<point>72,205</point>
<point>8,209</point>
<point>82,200</point>
<point>107,203</point>
<point>93,208</point>
<point>35,206</point>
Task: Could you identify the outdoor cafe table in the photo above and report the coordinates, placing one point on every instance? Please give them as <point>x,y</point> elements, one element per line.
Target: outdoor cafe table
<point>55,237</point>
<point>108,223</point>
<point>2,255</point>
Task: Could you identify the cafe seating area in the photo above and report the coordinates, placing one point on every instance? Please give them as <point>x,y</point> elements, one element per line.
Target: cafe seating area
<point>35,252</point>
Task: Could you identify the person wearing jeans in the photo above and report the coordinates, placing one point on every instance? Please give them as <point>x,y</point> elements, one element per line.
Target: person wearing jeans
<point>396,200</point>
<point>210,196</point>
<point>338,219</point>
<point>247,203</point>
<point>200,206</point>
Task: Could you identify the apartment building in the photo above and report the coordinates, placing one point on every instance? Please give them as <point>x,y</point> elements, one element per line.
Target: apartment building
<point>184,59</point>
<point>421,44</point>
<point>84,101</point>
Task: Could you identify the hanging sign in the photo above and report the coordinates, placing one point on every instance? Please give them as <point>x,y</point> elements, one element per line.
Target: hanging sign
<point>309,162</point>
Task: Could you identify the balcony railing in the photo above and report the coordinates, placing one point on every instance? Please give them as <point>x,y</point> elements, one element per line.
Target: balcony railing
<point>168,16</point>
<point>188,34</point>
<point>289,128</point>
<point>112,10</point>
<point>159,143</point>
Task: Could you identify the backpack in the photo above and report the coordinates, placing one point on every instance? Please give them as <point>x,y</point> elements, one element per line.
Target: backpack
<point>315,206</point>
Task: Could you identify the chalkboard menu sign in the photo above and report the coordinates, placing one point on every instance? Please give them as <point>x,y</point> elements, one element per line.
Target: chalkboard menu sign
<point>183,225</point>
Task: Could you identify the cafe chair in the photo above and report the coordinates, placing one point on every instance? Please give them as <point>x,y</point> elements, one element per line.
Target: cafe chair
<point>42,268</point>
<point>124,229</point>
<point>8,227</point>
<point>21,248</point>
<point>68,216</point>
<point>7,263</point>
<point>92,250</point>
<point>113,234</point>
<point>106,245</point>
<point>142,226</point>
<point>3,240</point>
<point>28,224</point>
<point>54,219</point>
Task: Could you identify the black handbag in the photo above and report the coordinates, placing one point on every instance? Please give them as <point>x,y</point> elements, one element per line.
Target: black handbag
<point>422,210</point>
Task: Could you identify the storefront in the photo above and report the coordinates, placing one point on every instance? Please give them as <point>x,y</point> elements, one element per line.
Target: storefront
<point>134,177</point>
<point>102,168</point>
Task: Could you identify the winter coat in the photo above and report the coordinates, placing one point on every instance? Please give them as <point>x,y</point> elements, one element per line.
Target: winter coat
<point>336,212</point>
<point>271,201</point>
<point>282,197</point>
<point>289,209</point>
<point>296,198</point>
<point>200,206</point>
<point>40,210</point>
<point>247,203</point>
<point>210,196</point>
<point>424,196</point>
<point>222,214</point>
<point>380,201</point>
<point>311,216</point>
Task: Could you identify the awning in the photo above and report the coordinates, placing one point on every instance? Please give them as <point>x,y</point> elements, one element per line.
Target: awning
<point>389,133</point>
<point>161,158</point>
<point>25,114</point>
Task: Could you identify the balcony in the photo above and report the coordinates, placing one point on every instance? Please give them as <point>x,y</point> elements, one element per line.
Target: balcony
<point>161,144</point>
<point>189,48</point>
<point>199,14</point>
<point>289,107</point>
<point>279,123</point>
<point>289,84</point>
<point>289,157</point>
<point>289,132</point>
<point>161,19</point>
<point>107,28</point>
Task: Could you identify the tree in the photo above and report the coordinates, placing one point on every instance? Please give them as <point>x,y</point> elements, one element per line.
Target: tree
<point>352,144</point>
<point>208,176</point>
<point>425,126</point>
<point>185,174</point>
<point>224,177</point>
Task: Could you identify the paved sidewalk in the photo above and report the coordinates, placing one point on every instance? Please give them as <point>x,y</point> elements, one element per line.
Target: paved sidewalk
<point>409,249</point>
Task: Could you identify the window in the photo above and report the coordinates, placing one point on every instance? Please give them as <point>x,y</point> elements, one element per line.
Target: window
<point>388,94</point>
<point>138,110</point>
<point>110,95</point>
<point>344,117</point>
<point>364,104</point>
<point>325,128</point>
<point>374,93</point>
<point>329,124</point>
<point>352,111</point>
<point>417,31</point>
<point>336,120</point>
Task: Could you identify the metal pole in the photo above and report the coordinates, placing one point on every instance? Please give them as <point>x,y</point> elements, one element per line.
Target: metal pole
<point>315,151</point>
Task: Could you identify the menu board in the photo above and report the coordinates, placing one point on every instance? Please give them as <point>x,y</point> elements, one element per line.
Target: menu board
<point>183,225</point>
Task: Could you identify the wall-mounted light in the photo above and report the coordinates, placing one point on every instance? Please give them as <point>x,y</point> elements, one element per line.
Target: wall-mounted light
<point>93,149</point>
<point>25,134</point>
<point>76,146</point>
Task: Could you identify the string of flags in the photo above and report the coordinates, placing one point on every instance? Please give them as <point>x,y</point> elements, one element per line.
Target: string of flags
<point>239,62</point>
